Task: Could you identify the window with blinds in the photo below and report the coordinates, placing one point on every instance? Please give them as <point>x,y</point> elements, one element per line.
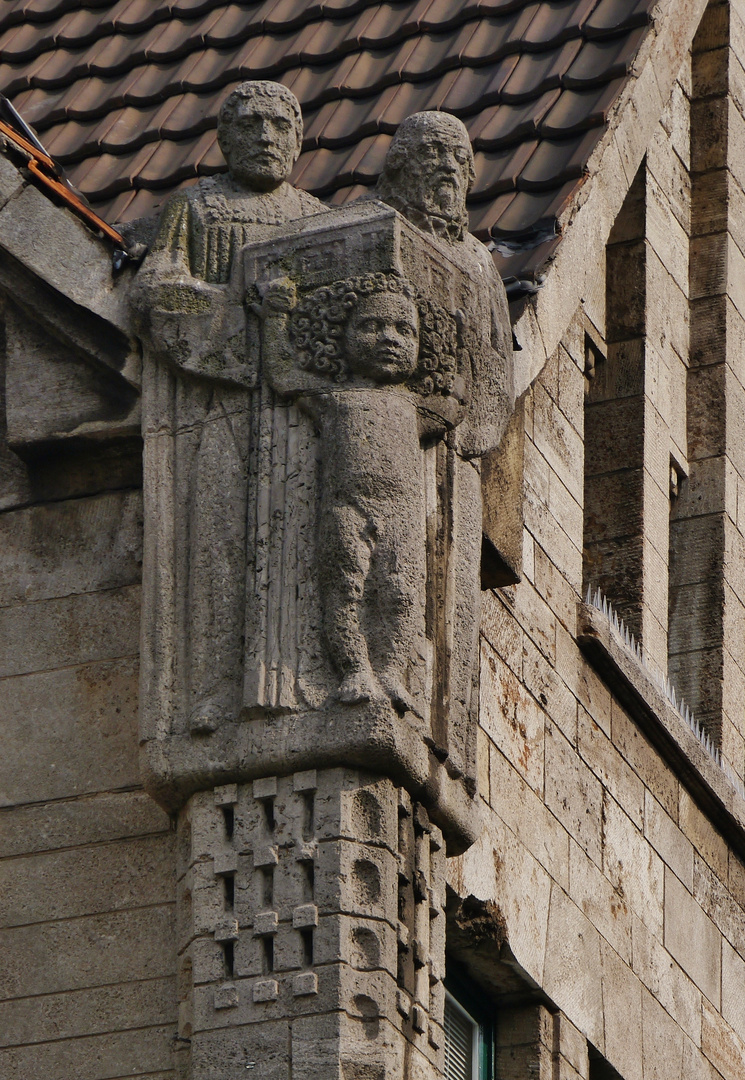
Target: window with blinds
<point>461,1042</point>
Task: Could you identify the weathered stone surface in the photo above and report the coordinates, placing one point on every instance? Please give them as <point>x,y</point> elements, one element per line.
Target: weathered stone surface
<point>119,875</point>
<point>692,938</point>
<point>606,907</point>
<point>88,820</point>
<point>574,794</point>
<point>573,973</point>
<point>95,1057</point>
<point>68,630</point>
<point>70,731</point>
<point>623,1050</point>
<point>373,371</point>
<point>63,548</point>
<point>670,843</point>
<point>78,1013</point>
<point>323,927</point>
<point>633,866</point>
<point>96,950</point>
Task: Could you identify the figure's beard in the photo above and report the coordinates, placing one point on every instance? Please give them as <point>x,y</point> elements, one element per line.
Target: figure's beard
<point>445,201</point>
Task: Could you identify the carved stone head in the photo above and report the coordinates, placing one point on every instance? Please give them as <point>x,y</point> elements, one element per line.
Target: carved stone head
<point>260,132</point>
<point>428,172</point>
<point>377,328</point>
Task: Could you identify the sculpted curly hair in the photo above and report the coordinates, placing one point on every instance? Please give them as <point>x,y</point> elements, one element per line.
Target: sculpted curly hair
<point>319,321</point>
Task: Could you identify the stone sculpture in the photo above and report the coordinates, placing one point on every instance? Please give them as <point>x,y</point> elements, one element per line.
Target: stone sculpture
<point>376,368</point>
<point>315,413</point>
<point>319,390</point>
<point>428,172</point>
<point>190,301</point>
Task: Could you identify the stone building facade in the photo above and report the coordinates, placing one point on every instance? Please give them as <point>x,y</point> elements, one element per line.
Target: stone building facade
<point>583,899</point>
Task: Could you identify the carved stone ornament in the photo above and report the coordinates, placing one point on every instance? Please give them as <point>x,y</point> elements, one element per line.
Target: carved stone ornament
<point>317,393</point>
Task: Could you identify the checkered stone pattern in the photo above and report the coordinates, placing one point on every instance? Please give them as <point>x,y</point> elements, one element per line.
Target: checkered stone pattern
<point>310,931</point>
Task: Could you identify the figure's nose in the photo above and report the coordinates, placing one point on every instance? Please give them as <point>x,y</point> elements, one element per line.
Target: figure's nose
<point>449,162</point>
<point>263,134</point>
<point>388,333</point>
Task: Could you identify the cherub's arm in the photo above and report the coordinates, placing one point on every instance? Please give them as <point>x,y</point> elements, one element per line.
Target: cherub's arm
<point>279,363</point>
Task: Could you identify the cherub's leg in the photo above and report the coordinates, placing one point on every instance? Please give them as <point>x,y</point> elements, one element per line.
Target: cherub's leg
<point>401,587</point>
<point>344,562</point>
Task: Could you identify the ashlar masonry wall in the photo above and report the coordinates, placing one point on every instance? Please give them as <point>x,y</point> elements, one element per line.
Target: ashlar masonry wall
<point>87,945</point>
<point>623,902</point>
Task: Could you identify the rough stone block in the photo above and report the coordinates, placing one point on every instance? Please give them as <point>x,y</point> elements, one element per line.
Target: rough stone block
<point>355,879</point>
<point>692,938</point>
<point>69,630</point>
<point>604,906</point>
<point>116,947</point>
<point>498,865</point>
<point>58,549</point>
<point>707,841</point>
<point>646,763</point>
<point>609,766</point>
<point>541,679</point>
<point>715,899</point>
<point>666,980</point>
<point>733,982</point>
<point>634,868</point>
<point>69,732</point>
<point>526,815</point>
<point>96,819</point>
<point>112,1055</point>
<point>525,1042</point>
<point>662,1041</point>
<point>305,984</point>
<point>573,972</point>
<point>574,794</point>
<point>46,1017</point>
<point>623,1019</point>
<point>233,1054</point>
<point>724,1049</point>
<point>47,886</point>
<point>672,845</point>
<point>512,719</point>
<point>558,441</point>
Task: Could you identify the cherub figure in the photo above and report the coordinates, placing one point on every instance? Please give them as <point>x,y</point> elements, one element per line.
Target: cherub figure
<point>376,367</point>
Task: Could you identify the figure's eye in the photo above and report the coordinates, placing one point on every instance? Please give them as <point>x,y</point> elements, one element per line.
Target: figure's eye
<point>461,156</point>
<point>406,330</point>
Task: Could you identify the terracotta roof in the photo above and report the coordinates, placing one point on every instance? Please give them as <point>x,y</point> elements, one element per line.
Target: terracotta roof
<point>124,93</point>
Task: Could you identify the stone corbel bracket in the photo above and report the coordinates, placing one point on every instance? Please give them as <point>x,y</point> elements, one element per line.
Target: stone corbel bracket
<point>72,364</point>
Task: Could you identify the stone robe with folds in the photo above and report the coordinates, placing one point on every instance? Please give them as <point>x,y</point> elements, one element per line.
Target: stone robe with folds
<point>201,407</point>
<point>234,482</point>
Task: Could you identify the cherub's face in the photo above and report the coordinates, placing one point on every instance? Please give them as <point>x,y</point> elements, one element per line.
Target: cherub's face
<point>382,338</point>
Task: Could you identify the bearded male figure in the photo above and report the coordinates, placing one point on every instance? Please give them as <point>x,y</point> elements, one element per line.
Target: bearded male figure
<point>427,174</point>
<point>202,416</point>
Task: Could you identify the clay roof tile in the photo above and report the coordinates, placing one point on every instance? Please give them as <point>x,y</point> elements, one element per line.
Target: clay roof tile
<point>537,72</point>
<point>612,16</point>
<point>127,91</point>
<point>556,21</point>
<point>601,60</point>
<point>578,109</point>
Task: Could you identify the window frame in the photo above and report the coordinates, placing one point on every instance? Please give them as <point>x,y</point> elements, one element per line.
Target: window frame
<point>466,1000</point>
